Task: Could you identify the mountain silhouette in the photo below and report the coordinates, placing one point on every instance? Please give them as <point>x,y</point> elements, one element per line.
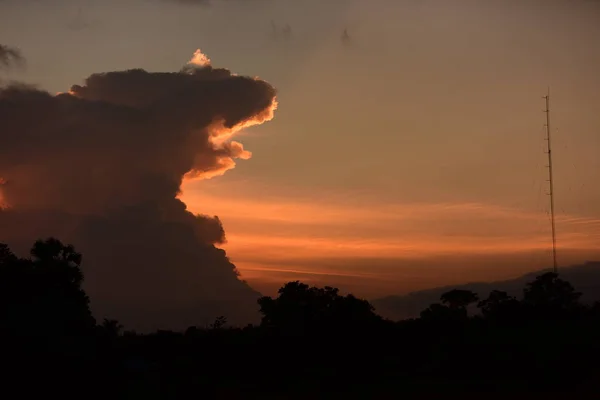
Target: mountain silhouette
<point>585,278</point>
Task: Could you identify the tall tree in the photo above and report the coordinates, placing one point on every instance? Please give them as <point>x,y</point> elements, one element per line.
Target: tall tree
<point>42,296</point>
<point>550,294</point>
<point>299,308</point>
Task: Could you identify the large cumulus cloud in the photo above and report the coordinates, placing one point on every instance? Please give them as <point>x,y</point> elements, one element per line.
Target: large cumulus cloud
<point>101,166</point>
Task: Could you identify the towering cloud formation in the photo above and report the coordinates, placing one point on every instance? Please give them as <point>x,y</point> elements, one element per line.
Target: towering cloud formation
<point>10,56</point>
<point>101,167</point>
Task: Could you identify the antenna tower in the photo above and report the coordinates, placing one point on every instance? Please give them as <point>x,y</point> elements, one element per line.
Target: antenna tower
<point>550,179</point>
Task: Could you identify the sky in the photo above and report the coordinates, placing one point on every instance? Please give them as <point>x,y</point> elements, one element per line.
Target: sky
<point>410,158</point>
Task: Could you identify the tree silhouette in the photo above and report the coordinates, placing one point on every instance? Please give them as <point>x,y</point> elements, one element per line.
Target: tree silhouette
<point>314,336</point>
<point>111,327</point>
<point>13,292</point>
<point>60,261</point>
<point>7,257</point>
<point>595,309</point>
<point>548,294</point>
<point>458,299</point>
<point>495,300</point>
<point>219,323</point>
<point>440,312</point>
<point>454,306</point>
<point>299,308</point>
<point>500,306</point>
<point>59,277</point>
<point>43,295</point>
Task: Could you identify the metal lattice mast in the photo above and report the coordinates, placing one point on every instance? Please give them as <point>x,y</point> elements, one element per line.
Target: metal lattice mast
<point>550,179</point>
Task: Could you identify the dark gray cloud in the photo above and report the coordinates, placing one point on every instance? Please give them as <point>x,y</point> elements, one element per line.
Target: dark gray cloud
<point>101,167</point>
<point>10,56</point>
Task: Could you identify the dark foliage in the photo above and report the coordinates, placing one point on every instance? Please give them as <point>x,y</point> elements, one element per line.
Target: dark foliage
<point>312,343</point>
<point>301,310</point>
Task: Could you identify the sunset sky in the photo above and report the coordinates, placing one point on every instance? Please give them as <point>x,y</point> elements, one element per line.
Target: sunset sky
<point>413,157</point>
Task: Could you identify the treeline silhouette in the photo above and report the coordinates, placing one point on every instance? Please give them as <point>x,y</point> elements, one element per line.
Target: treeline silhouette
<point>311,343</point>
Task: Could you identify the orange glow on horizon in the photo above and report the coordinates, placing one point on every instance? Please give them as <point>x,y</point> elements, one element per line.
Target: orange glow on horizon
<point>272,238</point>
<point>305,211</point>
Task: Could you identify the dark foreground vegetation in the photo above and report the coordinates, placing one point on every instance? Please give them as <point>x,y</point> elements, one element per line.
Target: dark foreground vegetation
<point>312,343</point>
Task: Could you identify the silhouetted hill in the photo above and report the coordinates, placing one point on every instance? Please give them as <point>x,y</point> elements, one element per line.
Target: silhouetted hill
<point>585,278</point>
